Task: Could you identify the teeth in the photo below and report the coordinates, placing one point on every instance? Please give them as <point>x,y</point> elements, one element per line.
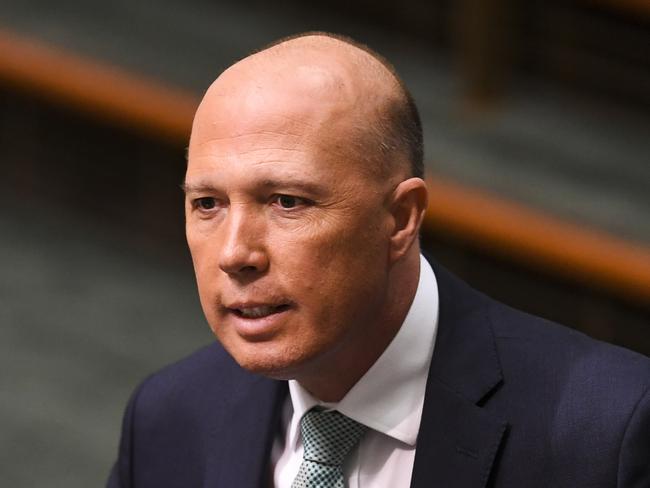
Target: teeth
<point>256,312</point>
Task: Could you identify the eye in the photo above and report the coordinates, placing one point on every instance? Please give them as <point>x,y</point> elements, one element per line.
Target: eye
<point>205,203</point>
<point>287,201</point>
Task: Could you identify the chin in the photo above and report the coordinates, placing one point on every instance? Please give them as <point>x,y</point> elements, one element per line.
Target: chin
<point>278,363</point>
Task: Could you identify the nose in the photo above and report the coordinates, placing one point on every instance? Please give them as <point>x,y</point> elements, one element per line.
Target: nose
<point>242,251</point>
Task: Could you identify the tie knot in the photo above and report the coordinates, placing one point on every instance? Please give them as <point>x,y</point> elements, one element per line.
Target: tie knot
<point>328,436</point>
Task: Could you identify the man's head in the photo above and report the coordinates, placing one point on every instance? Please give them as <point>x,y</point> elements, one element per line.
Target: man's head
<point>302,212</point>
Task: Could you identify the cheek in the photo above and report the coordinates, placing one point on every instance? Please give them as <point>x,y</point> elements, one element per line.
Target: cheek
<point>203,261</point>
<point>203,283</point>
<point>333,268</point>
<point>199,262</point>
<point>203,242</point>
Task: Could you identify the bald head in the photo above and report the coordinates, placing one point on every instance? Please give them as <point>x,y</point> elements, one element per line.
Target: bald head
<point>327,81</point>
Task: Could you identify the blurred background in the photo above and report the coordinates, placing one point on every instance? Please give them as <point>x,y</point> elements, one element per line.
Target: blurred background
<point>537,134</point>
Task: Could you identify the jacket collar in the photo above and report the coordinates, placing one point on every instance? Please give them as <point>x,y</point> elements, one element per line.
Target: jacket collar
<point>242,436</point>
<point>458,440</point>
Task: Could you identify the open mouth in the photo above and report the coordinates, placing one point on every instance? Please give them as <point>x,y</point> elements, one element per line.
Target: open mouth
<point>259,311</point>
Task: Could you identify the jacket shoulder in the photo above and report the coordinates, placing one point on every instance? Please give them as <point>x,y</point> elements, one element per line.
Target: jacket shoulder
<point>580,406</point>
<point>553,347</point>
<point>195,383</point>
<point>175,414</point>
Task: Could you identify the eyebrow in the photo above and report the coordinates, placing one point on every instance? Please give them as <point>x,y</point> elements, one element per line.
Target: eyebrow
<point>196,187</point>
<point>306,186</point>
<point>267,184</point>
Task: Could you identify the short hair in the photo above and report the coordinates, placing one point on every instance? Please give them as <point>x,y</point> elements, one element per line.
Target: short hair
<point>398,128</point>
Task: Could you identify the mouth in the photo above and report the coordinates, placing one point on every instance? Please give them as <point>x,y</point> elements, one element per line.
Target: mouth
<point>257,321</point>
<point>258,311</point>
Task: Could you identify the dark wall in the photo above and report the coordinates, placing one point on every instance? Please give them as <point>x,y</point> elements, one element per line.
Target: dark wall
<point>93,170</point>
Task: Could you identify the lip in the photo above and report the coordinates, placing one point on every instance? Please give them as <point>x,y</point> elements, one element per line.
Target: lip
<point>256,328</point>
<point>252,304</point>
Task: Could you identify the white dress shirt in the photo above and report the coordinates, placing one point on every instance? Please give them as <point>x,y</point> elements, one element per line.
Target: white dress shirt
<point>388,399</point>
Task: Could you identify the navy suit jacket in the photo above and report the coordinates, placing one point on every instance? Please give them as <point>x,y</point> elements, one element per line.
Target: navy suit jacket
<point>512,401</point>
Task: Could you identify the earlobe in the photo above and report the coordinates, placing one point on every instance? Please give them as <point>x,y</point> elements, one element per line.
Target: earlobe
<point>409,203</point>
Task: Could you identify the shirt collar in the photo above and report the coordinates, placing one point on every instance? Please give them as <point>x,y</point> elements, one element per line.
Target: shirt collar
<point>390,396</point>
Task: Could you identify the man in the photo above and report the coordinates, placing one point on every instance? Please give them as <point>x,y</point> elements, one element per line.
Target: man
<point>304,198</point>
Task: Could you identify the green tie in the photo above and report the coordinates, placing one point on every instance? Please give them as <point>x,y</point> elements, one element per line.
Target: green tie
<point>328,437</point>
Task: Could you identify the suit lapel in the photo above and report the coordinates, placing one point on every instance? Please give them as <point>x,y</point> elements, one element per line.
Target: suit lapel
<point>458,440</point>
<point>459,443</point>
<point>240,449</point>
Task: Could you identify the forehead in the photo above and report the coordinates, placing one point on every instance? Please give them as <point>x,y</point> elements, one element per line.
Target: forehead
<point>269,160</point>
<point>305,118</point>
<point>295,141</point>
<point>243,100</point>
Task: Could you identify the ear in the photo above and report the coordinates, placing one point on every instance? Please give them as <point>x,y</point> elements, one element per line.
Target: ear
<point>407,206</point>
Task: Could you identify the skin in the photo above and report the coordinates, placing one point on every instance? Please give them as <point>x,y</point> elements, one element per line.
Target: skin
<point>283,212</point>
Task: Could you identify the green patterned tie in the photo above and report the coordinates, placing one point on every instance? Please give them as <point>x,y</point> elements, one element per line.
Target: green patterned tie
<point>328,437</point>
